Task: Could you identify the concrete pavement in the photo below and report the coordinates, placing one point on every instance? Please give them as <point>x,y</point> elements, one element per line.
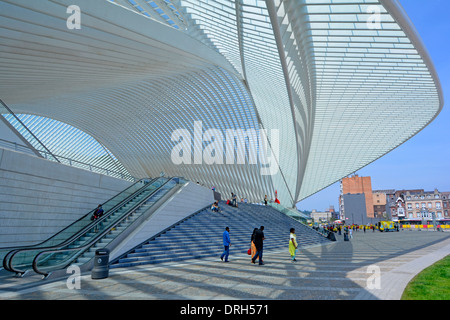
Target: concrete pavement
<point>372,266</point>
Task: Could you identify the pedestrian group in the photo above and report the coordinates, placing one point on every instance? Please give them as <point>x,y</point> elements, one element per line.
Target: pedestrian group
<point>257,245</point>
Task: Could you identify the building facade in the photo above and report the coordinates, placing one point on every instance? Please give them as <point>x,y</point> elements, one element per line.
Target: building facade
<point>446,204</point>
<point>422,205</point>
<point>408,205</point>
<point>327,216</point>
<point>380,203</point>
<point>352,188</point>
<point>321,217</point>
<point>355,209</point>
<point>418,205</point>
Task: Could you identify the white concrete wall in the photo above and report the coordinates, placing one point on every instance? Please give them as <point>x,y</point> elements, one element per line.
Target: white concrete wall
<point>11,139</point>
<point>40,197</point>
<point>186,201</point>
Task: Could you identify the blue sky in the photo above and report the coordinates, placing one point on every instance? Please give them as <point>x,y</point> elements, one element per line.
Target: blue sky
<point>424,161</point>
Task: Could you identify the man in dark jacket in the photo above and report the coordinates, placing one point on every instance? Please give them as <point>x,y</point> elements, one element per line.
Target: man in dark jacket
<point>259,238</point>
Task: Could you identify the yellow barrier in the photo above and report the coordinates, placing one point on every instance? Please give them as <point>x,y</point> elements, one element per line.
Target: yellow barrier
<point>424,226</point>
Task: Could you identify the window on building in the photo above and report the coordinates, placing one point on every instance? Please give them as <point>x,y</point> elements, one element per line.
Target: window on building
<point>417,205</point>
<point>430,205</point>
<point>438,205</point>
<point>409,206</point>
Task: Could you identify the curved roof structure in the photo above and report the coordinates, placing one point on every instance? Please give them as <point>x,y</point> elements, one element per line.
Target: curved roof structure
<point>67,145</point>
<point>335,84</point>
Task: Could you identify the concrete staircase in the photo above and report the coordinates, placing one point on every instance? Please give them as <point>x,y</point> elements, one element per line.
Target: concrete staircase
<point>89,254</point>
<point>201,235</point>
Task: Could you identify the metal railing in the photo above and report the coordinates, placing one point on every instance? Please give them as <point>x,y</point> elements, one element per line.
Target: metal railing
<point>299,216</point>
<point>37,147</point>
<point>67,161</point>
<point>78,251</point>
<point>73,230</point>
<point>16,147</point>
<point>32,135</point>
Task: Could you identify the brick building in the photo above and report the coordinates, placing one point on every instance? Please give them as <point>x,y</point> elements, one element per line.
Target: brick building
<point>380,203</point>
<point>419,205</point>
<point>358,201</point>
<point>356,193</point>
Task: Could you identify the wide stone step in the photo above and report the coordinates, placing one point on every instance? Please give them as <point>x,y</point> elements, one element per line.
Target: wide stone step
<point>201,235</point>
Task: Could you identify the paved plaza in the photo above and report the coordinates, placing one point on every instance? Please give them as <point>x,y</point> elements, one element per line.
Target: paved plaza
<point>372,266</point>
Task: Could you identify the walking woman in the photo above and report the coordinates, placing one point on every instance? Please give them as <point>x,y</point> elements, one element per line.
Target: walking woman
<point>252,246</point>
<point>293,244</point>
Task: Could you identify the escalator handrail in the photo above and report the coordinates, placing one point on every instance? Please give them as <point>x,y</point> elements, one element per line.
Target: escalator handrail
<point>75,236</point>
<point>7,261</point>
<point>13,249</point>
<point>83,248</point>
<point>89,213</point>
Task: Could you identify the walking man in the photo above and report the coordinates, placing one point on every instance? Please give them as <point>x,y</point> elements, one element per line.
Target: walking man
<point>259,238</point>
<point>226,244</point>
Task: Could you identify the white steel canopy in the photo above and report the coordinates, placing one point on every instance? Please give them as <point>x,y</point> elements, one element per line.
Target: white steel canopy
<point>344,82</point>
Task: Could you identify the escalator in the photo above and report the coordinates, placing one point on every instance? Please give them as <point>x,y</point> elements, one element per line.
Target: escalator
<point>77,243</point>
<point>66,233</point>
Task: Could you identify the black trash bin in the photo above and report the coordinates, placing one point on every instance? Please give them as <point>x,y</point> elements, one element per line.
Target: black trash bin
<point>101,264</point>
